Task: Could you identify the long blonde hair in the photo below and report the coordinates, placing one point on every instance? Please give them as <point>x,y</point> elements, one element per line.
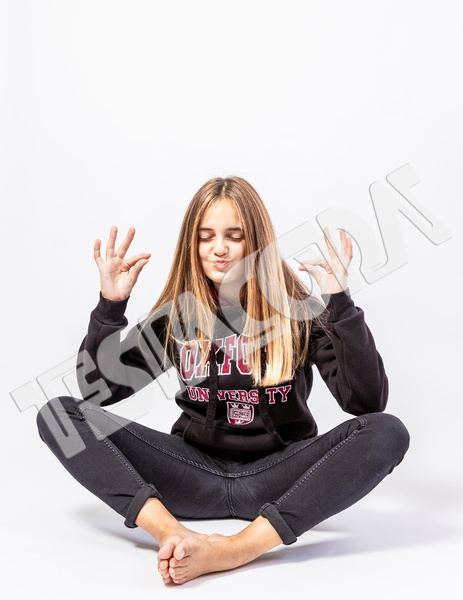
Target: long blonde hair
<point>265,299</point>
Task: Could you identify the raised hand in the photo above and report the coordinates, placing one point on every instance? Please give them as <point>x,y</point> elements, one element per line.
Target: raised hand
<point>118,275</point>
<point>331,276</point>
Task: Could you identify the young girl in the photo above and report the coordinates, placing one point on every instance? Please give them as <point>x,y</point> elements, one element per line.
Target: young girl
<point>242,332</point>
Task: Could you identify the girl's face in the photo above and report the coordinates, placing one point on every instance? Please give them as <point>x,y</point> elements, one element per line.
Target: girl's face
<point>221,244</point>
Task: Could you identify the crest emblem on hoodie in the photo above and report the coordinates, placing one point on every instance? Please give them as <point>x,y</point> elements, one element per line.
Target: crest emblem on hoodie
<point>239,414</point>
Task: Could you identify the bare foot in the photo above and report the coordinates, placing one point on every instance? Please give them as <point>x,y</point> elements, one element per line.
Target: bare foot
<point>167,548</point>
<point>166,529</point>
<point>185,554</point>
<point>194,556</point>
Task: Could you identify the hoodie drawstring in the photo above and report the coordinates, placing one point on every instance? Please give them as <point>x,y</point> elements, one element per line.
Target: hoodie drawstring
<point>213,387</point>
<point>263,410</point>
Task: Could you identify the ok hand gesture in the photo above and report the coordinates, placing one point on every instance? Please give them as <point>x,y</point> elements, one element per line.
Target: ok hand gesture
<point>117,274</point>
<point>333,276</point>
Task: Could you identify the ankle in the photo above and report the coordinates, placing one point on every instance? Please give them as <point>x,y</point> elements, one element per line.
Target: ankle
<point>156,520</point>
<point>256,539</point>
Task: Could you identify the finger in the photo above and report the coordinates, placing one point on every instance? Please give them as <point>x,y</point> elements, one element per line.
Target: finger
<point>96,252</point>
<point>136,270</point>
<point>348,248</point>
<point>344,239</point>
<point>319,262</point>
<point>134,259</point>
<point>313,271</point>
<point>122,250</point>
<point>111,243</point>
<point>330,244</point>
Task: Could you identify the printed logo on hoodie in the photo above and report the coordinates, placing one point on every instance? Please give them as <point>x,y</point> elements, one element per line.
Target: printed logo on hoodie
<point>234,349</point>
<point>240,409</point>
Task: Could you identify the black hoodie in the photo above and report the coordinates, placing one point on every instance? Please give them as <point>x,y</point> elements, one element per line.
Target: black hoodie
<point>221,409</point>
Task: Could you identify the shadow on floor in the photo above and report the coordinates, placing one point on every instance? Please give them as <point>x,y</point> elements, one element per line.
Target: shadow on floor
<point>418,517</point>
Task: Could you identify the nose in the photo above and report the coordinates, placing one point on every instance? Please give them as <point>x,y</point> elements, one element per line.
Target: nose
<point>220,247</point>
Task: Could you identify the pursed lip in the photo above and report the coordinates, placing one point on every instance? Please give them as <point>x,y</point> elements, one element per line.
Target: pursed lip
<point>220,263</point>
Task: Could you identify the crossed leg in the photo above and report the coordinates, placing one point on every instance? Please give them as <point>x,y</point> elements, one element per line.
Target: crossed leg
<point>309,481</point>
<point>350,461</point>
<point>185,554</point>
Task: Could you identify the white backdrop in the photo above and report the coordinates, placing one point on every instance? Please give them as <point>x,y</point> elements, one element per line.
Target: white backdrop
<point>116,112</point>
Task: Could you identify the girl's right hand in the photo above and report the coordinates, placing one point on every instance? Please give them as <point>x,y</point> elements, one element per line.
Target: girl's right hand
<point>117,274</point>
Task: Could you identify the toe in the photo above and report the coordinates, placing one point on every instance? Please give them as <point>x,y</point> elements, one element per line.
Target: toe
<point>166,551</point>
<point>182,549</point>
<point>179,579</point>
<point>177,564</point>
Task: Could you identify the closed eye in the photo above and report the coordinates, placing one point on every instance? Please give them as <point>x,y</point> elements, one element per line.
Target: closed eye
<point>233,239</point>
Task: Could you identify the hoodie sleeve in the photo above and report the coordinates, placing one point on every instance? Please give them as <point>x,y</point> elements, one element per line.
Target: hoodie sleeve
<point>110,368</point>
<point>347,359</point>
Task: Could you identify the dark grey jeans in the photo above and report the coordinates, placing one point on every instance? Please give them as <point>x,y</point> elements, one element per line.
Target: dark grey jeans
<point>124,463</point>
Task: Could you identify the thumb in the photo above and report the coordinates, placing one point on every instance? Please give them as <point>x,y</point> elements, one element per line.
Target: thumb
<point>312,270</point>
<point>136,269</point>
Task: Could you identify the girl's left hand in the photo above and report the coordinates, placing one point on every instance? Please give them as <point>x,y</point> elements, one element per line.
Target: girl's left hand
<point>333,276</point>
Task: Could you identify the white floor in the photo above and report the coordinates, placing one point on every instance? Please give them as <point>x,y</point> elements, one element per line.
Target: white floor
<point>58,541</point>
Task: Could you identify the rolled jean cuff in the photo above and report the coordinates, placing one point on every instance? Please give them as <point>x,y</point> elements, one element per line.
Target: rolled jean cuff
<point>271,513</point>
<point>147,491</point>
